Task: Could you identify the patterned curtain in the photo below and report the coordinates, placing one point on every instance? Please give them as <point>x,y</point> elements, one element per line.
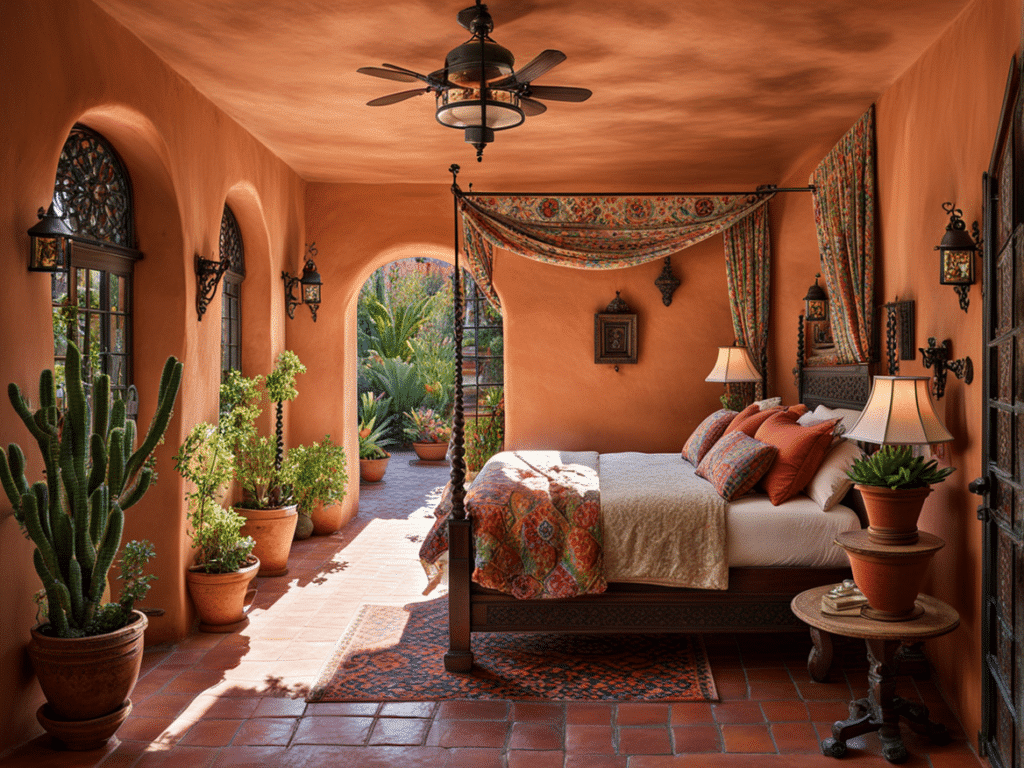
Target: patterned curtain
<point>599,232</point>
<point>748,271</point>
<point>844,215</point>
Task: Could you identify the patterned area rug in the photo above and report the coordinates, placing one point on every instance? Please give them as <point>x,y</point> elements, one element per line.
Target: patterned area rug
<point>396,653</point>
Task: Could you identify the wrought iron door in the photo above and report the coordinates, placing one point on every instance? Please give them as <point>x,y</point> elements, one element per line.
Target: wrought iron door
<point>1002,485</point>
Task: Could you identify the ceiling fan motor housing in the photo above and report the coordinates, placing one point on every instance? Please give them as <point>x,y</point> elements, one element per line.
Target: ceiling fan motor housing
<point>463,64</point>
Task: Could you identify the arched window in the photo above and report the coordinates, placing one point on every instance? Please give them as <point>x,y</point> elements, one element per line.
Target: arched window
<point>92,301</point>
<point>231,297</point>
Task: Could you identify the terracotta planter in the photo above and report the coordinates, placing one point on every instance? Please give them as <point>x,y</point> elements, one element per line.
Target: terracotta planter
<point>82,735</point>
<point>892,515</point>
<point>303,527</point>
<point>328,519</point>
<point>431,451</point>
<point>890,576</point>
<point>273,530</point>
<point>88,678</point>
<point>222,599</point>
<point>372,470</point>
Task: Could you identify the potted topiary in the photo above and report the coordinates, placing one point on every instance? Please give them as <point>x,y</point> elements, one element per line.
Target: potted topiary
<point>225,566</point>
<point>260,470</point>
<point>87,655</point>
<point>320,482</point>
<point>428,432</point>
<point>894,484</point>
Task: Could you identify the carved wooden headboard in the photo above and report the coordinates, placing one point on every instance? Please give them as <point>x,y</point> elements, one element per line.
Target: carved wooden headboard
<point>835,386</point>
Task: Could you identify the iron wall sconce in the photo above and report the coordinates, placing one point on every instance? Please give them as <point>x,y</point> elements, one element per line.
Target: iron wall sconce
<point>309,285</point>
<point>50,240</point>
<point>938,357</point>
<point>816,303</point>
<point>667,282</point>
<point>956,254</point>
<point>208,275</point>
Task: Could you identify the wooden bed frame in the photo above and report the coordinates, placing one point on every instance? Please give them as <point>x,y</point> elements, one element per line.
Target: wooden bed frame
<point>757,599</point>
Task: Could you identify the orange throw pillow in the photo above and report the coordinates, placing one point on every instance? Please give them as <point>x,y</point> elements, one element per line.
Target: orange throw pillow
<point>750,418</point>
<point>801,451</point>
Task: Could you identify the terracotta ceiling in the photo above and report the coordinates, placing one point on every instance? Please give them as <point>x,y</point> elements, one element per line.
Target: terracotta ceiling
<point>687,94</point>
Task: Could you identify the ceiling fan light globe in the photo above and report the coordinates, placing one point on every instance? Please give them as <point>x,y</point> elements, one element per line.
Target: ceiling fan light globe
<point>461,108</point>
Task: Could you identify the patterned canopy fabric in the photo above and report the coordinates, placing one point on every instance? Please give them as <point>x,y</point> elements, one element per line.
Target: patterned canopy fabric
<point>593,232</point>
<point>748,271</point>
<point>844,215</point>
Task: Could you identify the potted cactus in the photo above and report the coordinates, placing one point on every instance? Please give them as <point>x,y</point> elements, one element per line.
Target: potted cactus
<point>88,653</point>
<point>225,566</point>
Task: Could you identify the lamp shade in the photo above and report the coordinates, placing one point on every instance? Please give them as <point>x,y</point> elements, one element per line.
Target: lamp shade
<point>733,365</point>
<point>900,412</point>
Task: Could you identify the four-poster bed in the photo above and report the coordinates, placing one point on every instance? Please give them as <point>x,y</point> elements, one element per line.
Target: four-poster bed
<point>757,598</point>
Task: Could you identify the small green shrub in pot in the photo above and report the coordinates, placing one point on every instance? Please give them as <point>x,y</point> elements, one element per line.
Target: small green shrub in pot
<point>319,474</point>
<point>896,467</point>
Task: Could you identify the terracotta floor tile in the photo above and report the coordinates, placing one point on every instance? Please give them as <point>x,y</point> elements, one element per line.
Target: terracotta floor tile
<point>353,708</point>
<point>747,738</point>
<point>644,740</point>
<point>828,711</point>
<point>536,736</point>
<point>143,728</point>
<point>692,713</point>
<point>407,709</point>
<point>529,711</point>
<point>266,731</point>
<point>275,707</point>
<point>473,710</point>
<point>534,759</point>
<point>795,737</point>
<point>955,755</point>
<point>474,758</point>
<point>333,730</point>
<point>738,712</point>
<point>211,733</point>
<point>399,731</point>
<point>179,757</point>
<point>589,739</point>
<point>762,691</point>
<point>696,738</point>
<point>468,733</point>
<point>784,710</point>
<point>641,713</point>
<point>585,713</point>
<point>596,761</point>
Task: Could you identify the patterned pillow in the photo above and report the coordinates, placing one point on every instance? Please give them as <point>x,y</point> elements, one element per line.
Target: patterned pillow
<point>706,435</point>
<point>735,464</point>
<point>801,451</point>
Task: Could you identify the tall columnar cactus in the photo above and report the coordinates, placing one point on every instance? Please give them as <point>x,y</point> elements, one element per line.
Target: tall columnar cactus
<point>94,472</point>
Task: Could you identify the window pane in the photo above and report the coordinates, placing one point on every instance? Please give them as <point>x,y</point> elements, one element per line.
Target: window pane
<point>95,283</point>
<point>81,293</point>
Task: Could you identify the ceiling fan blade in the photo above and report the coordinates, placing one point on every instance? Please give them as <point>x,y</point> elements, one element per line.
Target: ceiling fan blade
<point>544,61</point>
<point>531,108</point>
<point>394,98</point>
<point>559,93</point>
<point>389,74</point>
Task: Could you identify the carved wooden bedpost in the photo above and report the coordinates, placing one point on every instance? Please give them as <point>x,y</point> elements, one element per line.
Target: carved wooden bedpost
<point>460,550</point>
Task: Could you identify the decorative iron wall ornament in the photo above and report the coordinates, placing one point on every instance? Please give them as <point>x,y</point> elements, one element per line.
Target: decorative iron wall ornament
<point>667,282</point>
<point>93,193</point>
<point>938,357</point>
<point>208,275</point>
<point>615,335</point>
<point>899,334</point>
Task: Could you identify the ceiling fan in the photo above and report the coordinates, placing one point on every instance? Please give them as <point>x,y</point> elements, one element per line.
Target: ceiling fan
<point>478,90</point>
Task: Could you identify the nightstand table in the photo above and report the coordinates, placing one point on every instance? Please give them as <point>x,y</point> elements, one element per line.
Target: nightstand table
<point>881,709</point>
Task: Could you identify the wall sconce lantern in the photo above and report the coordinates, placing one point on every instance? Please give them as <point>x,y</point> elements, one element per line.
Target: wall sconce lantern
<point>956,254</point>
<point>309,285</point>
<point>51,243</point>
<point>208,275</point>
<point>816,303</point>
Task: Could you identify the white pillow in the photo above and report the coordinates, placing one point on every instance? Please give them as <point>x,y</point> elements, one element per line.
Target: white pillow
<point>830,483</point>
<point>821,413</point>
<point>771,402</point>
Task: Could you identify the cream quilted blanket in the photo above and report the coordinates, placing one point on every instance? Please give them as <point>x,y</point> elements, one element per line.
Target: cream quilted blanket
<point>662,523</point>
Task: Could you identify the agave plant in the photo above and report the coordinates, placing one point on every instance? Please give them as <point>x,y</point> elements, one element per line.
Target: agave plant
<point>896,467</point>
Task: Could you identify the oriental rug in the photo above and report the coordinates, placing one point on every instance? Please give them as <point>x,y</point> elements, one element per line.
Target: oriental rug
<point>396,653</point>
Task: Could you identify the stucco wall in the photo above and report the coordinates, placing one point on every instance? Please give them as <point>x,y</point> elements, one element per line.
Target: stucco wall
<point>185,159</point>
<point>935,129</point>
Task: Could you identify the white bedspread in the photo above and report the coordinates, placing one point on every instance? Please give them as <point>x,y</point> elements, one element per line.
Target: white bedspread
<point>662,523</point>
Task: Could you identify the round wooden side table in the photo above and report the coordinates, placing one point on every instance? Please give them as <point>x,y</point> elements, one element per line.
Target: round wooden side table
<point>881,709</point>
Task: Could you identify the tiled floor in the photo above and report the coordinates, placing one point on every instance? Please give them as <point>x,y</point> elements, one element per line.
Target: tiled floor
<point>234,700</point>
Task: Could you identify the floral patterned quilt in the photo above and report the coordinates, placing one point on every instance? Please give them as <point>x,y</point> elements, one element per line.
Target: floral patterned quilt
<point>536,525</point>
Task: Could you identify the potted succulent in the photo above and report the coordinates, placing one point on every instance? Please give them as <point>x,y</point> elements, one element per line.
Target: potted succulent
<point>320,481</point>
<point>894,484</point>
<point>890,567</point>
<point>88,653</point>
<point>225,566</point>
<point>428,432</point>
<point>373,438</point>
<point>265,479</point>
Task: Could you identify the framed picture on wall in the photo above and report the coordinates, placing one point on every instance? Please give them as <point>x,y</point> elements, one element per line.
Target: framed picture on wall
<point>615,337</point>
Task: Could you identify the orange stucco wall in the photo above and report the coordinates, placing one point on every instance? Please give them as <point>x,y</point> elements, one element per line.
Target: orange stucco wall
<point>185,158</point>
<point>935,129</point>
